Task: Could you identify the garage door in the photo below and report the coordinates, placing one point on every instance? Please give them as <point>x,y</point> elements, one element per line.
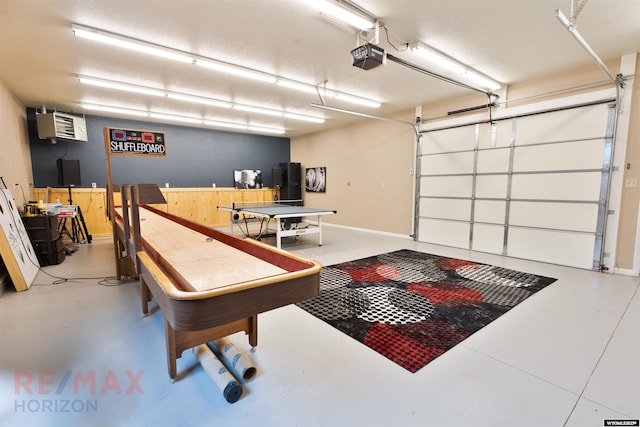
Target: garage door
<point>531,186</point>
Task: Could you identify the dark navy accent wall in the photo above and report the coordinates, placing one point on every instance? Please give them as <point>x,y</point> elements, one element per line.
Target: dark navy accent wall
<point>195,157</point>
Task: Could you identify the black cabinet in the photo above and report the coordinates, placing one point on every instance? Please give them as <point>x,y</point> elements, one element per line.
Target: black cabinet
<point>47,242</point>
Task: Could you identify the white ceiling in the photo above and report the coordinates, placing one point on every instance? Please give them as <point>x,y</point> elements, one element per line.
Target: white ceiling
<point>509,40</point>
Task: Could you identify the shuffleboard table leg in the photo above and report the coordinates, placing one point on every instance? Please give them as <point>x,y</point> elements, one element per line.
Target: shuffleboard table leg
<point>145,296</point>
<point>253,335</point>
<point>171,350</point>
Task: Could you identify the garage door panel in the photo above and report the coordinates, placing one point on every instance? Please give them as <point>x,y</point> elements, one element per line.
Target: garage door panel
<point>446,208</point>
<point>493,160</point>
<point>448,233</point>
<point>492,186</point>
<point>556,247</point>
<point>563,216</point>
<point>573,124</point>
<point>563,156</point>
<point>457,139</point>
<point>569,186</point>
<point>453,163</point>
<point>488,238</point>
<point>453,186</point>
<point>490,211</point>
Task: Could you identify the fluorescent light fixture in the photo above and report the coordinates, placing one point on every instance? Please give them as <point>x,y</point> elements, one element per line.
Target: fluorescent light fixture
<point>481,80</point>
<point>120,86</point>
<point>131,44</point>
<point>212,64</point>
<point>236,70</point>
<point>301,87</point>
<point>436,58</point>
<point>576,35</point>
<point>174,118</point>
<point>300,117</point>
<point>199,100</point>
<point>265,130</point>
<point>115,110</point>
<point>258,110</point>
<point>341,13</point>
<point>329,93</point>
<point>183,119</point>
<point>228,125</point>
<point>449,64</point>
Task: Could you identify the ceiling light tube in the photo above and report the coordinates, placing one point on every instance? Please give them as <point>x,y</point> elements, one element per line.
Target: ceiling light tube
<point>436,58</point>
<point>131,44</point>
<point>342,14</point>
<point>120,86</point>
<point>258,110</point>
<point>175,118</point>
<point>303,118</point>
<point>106,109</point>
<point>301,87</point>
<point>216,123</point>
<point>236,70</point>
<point>449,64</point>
<point>481,80</point>
<point>266,130</point>
<point>199,100</point>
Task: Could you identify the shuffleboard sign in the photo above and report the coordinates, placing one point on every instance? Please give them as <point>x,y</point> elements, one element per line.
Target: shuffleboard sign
<point>126,142</point>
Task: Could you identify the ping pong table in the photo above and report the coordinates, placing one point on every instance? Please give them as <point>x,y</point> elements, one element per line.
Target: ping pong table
<point>284,212</point>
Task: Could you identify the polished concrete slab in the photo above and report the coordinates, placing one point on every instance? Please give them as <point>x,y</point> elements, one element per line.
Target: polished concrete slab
<point>79,352</point>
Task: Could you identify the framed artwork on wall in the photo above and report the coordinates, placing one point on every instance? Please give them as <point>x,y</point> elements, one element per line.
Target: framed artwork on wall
<point>316,179</point>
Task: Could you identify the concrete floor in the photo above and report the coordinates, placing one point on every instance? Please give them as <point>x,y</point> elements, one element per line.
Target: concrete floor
<point>568,356</point>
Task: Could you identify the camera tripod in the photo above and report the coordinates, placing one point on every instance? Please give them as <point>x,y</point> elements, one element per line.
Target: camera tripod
<point>78,226</point>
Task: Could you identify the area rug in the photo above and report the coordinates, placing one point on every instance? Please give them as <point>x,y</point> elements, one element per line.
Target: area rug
<point>411,307</point>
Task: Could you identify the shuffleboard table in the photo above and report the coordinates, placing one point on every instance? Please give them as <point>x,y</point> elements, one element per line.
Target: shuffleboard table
<point>208,284</point>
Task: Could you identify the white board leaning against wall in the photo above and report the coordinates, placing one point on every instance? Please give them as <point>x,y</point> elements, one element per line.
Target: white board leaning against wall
<point>15,247</point>
<point>532,184</point>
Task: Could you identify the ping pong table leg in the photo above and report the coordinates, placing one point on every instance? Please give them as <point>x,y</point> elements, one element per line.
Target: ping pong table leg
<point>279,233</point>
<point>231,222</point>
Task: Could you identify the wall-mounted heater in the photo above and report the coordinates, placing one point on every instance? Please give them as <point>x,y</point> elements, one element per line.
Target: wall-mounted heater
<point>61,125</point>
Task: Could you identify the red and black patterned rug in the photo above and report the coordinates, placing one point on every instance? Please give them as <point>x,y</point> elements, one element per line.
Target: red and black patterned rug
<point>411,307</point>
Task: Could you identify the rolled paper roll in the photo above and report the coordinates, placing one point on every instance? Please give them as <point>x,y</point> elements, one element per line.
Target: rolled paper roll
<point>226,383</point>
<point>236,359</point>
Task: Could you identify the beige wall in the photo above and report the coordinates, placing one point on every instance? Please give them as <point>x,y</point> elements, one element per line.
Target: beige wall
<point>362,156</point>
<point>15,160</point>
<point>368,173</point>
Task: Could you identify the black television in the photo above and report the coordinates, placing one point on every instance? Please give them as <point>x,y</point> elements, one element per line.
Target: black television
<point>247,178</point>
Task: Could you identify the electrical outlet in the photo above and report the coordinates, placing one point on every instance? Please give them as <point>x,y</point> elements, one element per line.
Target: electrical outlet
<point>631,182</point>
<point>93,185</point>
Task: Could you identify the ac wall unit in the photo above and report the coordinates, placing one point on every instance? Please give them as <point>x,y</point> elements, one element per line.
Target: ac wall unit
<point>60,125</point>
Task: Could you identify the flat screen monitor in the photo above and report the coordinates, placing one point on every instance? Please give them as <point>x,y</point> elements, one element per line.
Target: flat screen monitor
<point>247,178</point>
